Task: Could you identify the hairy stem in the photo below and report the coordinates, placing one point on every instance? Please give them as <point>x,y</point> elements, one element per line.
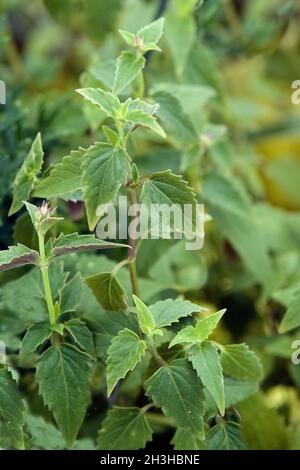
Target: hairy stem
<point>46,282</point>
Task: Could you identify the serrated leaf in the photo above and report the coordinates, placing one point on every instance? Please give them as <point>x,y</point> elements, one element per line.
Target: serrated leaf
<point>106,101</point>
<point>17,256</point>
<point>144,106</point>
<point>206,362</point>
<point>35,336</point>
<point>108,291</point>
<point>140,118</point>
<point>63,377</point>
<point>74,243</point>
<point>11,412</point>
<point>64,178</point>
<point>127,69</point>
<point>166,312</point>
<point>146,321</point>
<point>166,188</point>
<point>177,390</point>
<point>225,436</point>
<point>70,295</point>
<point>240,362</point>
<point>124,429</point>
<point>183,439</point>
<point>291,318</point>
<point>81,335</point>
<point>105,169</point>
<point>106,326</point>
<point>199,333</point>
<point>26,176</point>
<point>238,390</point>
<point>125,352</point>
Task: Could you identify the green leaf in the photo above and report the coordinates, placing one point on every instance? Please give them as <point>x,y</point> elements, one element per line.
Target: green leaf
<point>35,336</point>
<point>180,34</point>
<point>177,390</point>
<point>106,326</point>
<point>125,352</point>
<point>17,256</point>
<point>199,333</point>
<point>142,105</point>
<point>108,291</point>
<point>291,319</point>
<point>111,136</point>
<point>240,362</point>
<point>63,377</point>
<point>106,101</point>
<point>179,269</point>
<point>183,439</point>
<point>128,37</point>
<point>146,321</point>
<point>233,213</point>
<point>262,428</point>
<point>166,312</point>
<point>238,390</point>
<point>206,362</point>
<point>45,436</point>
<point>137,117</point>
<point>81,335</point>
<point>74,243</point>
<point>128,68</point>
<point>26,176</point>
<point>70,295</point>
<point>166,188</point>
<point>11,412</point>
<point>151,33</point>
<point>64,179</point>
<point>105,169</point>
<point>225,436</point>
<point>177,124</point>
<point>34,309</point>
<point>124,429</point>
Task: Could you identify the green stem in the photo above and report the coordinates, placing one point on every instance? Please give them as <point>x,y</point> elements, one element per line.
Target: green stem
<point>141,86</point>
<point>46,282</point>
<point>156,418</point>
<point>132,249</point>
<point>160,361</point>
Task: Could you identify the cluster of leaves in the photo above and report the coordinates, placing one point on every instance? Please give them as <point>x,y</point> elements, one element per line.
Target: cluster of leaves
<point>138,332</point>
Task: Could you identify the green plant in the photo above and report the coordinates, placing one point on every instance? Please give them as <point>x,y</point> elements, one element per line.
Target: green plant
<point>185,378</point>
